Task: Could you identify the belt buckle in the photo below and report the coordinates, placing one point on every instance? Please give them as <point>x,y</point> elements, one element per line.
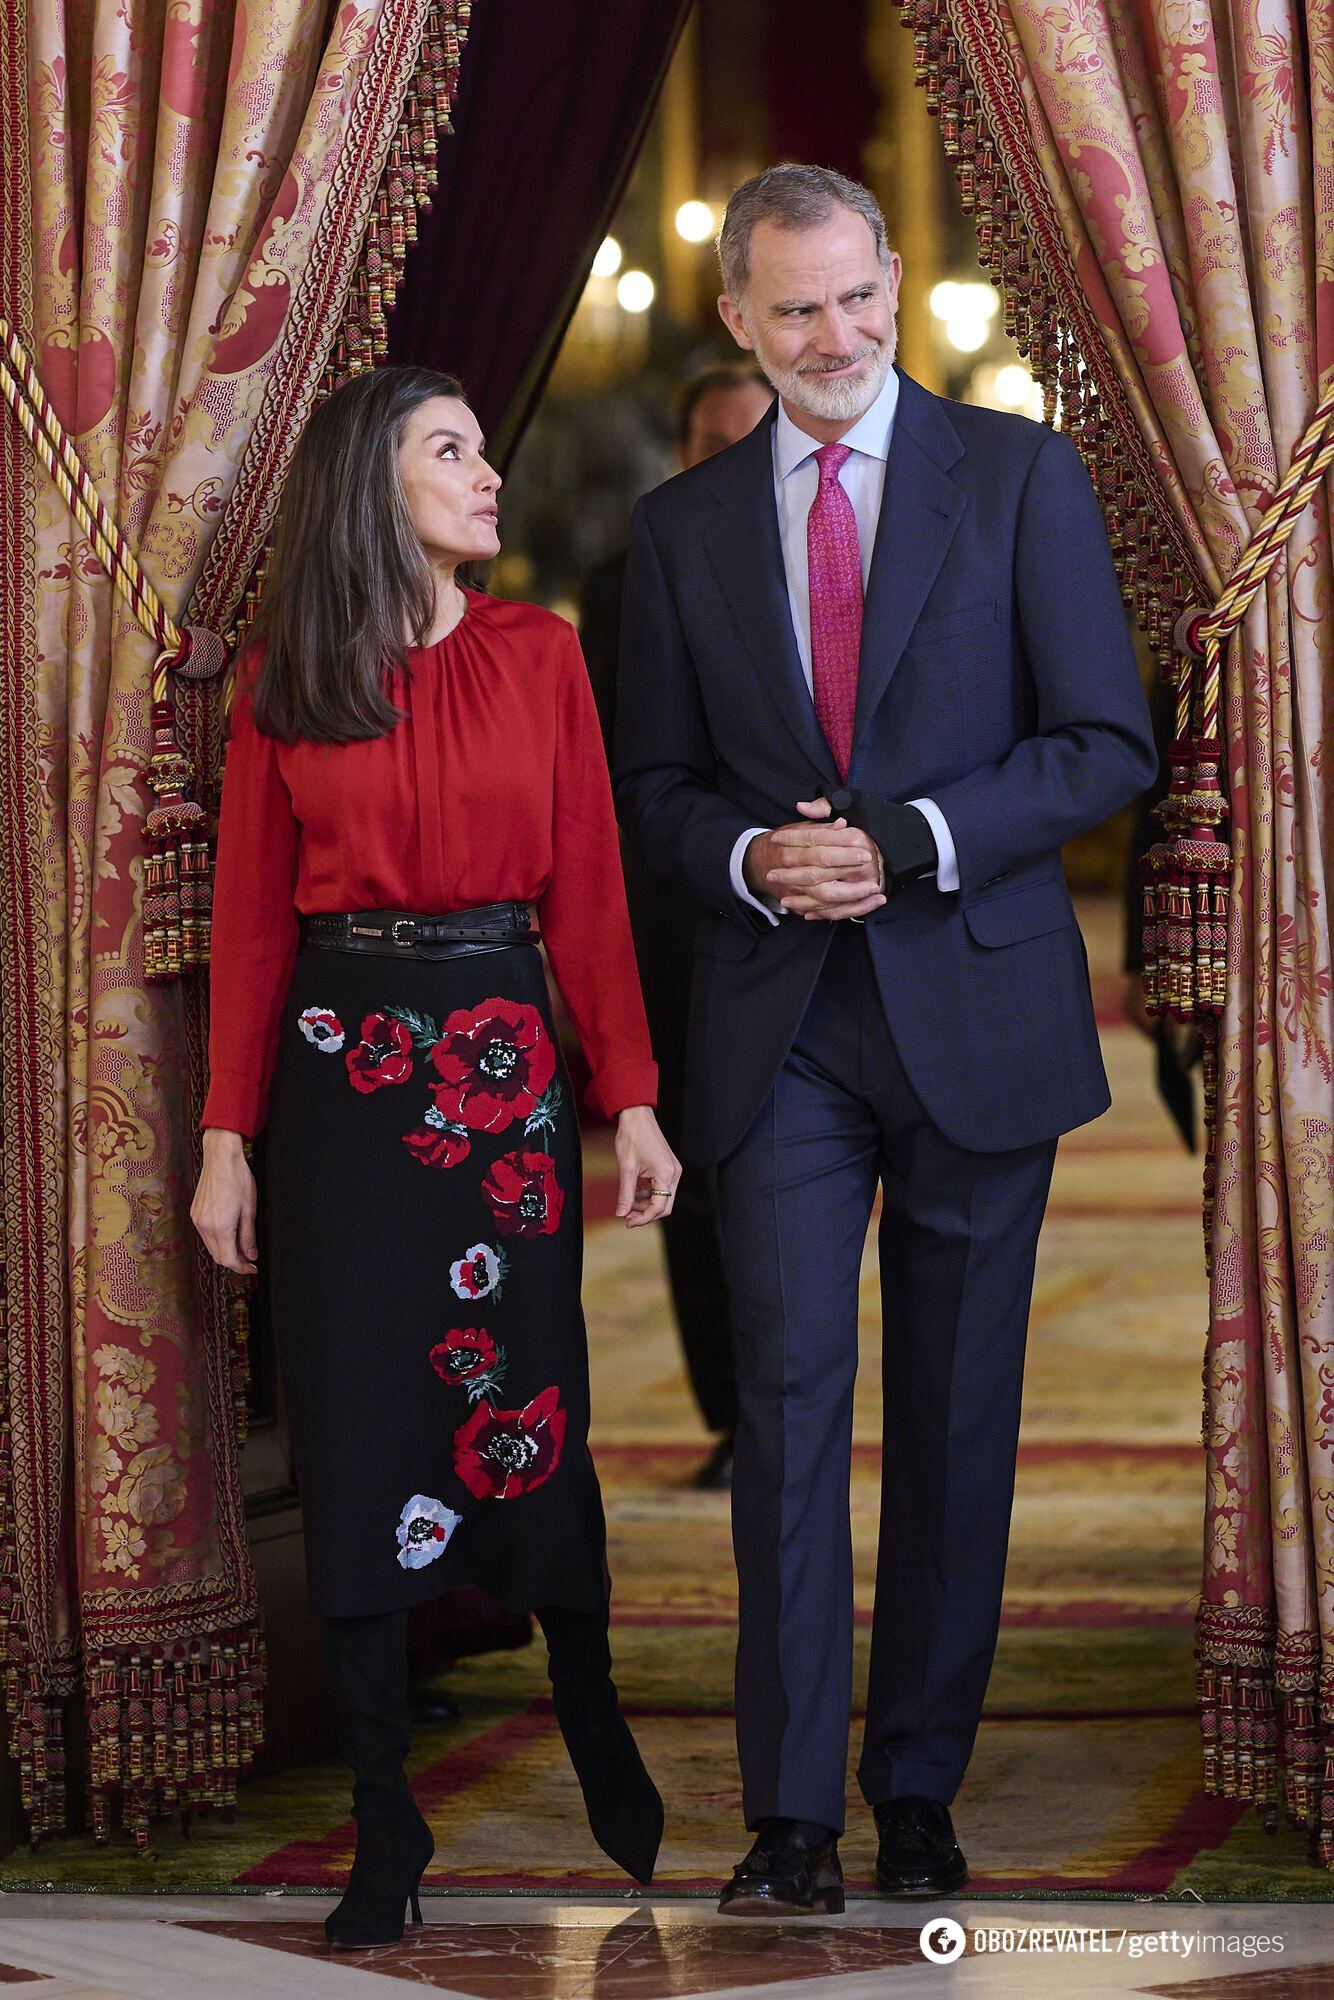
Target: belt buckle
<point>397,925</point>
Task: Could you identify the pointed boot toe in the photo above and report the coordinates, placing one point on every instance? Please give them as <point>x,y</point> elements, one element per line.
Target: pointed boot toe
<point>624,1806</point>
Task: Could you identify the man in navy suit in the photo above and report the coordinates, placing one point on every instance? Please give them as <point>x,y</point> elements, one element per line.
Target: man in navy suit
<point>874,672</point>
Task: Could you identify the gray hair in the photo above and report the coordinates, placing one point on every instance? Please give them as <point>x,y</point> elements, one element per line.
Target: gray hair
<point>792,197</point>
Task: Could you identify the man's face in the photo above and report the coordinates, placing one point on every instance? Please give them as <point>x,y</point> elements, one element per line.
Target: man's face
<point>818,314</point>
<point>722,417</point>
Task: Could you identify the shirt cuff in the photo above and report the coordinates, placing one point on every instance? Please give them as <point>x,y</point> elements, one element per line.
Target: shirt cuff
<point>235,1103</point>
<point>947,861</point>
<point>632,1080</point>
<point>769,908</point>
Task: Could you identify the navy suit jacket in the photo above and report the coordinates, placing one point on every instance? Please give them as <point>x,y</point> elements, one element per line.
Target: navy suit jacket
<point>996,677</point>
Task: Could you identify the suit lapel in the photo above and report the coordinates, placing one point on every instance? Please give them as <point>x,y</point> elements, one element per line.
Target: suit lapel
<point>919,513</point>
<point>747,556</point>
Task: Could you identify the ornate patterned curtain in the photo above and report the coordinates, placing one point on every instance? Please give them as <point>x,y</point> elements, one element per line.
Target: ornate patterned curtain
<point>205,207</point>
<point>1154,190</point>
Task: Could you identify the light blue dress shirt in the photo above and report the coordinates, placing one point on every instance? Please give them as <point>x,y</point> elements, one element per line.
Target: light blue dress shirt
<point>796,482</point>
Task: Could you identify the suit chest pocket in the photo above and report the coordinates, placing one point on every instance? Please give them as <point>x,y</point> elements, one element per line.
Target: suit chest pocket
<point>950,622</point>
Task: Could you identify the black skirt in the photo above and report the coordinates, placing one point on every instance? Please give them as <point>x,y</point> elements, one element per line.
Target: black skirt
<point>423,1242</point>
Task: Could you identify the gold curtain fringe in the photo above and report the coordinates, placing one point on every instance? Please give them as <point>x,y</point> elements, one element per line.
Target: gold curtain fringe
<point>1186,875</point>
<point>1266,1703</point>
<point>34,1712</point>
<point>238,1324</point>
<point>405,191</point>
<point>172,1728</point>
<point>178,869</point>
<point>968,95</point>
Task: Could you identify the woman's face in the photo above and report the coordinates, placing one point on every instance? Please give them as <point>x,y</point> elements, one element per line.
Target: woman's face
<point>449,488</point>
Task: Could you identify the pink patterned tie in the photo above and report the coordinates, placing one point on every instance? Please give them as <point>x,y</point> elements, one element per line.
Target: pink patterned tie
<point>834,555</point>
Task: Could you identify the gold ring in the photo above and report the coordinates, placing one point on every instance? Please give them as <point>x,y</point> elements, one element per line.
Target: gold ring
<point>654,1190</point>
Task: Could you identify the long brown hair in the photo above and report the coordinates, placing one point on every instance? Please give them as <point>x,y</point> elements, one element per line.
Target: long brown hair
<point>348,575</point>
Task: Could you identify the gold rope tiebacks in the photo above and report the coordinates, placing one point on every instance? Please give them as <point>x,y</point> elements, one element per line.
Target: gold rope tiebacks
<point>1186,875</point>
<point>178,891</point>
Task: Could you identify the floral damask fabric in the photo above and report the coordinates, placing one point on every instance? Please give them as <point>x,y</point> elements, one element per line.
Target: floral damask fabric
<point>197,183</point>
<point>1188,151</point>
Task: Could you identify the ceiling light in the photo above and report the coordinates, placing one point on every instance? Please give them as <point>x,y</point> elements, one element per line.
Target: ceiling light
<point>635,291</point>
<point>694,221</point>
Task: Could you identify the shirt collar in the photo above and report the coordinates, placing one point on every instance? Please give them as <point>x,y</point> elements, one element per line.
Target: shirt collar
<point>869,435</point>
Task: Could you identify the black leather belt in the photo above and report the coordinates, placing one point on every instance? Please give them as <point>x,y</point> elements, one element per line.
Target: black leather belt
<point>394,933</point>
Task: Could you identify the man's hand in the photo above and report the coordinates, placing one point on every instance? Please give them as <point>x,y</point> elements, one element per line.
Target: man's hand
<point>817,871</point>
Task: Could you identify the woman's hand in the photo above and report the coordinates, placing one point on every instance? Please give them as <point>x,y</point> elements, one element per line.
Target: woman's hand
<point>649,1169</point>
<point>223,1210</point>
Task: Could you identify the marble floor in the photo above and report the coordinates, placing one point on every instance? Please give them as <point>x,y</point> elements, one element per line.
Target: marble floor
<point>272,1947</point>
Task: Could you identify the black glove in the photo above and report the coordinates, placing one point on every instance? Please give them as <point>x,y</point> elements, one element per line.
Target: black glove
<point>903,835</point>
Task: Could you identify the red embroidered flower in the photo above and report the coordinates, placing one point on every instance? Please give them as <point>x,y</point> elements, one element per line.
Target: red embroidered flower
<point>383,1055</point>
<point>464,1354</point>
<point>496,1062</point>
<point>499,1454</point>
<point>524,1194</point>
<point>438,1145</point>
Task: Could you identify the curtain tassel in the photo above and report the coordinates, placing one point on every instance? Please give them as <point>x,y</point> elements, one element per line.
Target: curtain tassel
<point>1185,885</point>
<point>178,876</point>
<point>173,1728</point>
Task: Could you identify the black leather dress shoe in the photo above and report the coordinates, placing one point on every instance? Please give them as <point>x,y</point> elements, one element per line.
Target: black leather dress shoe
<point>919,1855</point>
<point>791,1871</point>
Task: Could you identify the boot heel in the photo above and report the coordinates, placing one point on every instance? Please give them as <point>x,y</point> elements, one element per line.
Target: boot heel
<point>414,1906</point>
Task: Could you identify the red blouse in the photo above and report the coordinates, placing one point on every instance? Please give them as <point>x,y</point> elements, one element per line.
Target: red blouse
<point>493,789</point>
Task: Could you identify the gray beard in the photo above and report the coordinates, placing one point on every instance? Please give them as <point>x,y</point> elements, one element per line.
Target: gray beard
<point>833,400</point>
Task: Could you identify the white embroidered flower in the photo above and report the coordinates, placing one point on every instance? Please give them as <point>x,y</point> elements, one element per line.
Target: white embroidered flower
<point>424,1529</point>
<point>322,1027</point>
<point>477,1273</point>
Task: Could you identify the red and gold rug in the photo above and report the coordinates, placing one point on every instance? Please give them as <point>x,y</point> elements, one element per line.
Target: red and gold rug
<point>1086,1775</point>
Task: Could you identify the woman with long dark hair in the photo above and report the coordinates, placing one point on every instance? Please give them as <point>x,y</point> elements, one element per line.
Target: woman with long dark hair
<point>415,768</point>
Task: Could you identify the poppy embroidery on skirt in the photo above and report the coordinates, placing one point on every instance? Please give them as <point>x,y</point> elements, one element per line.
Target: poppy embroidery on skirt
<point>382,1056</point>
<point>322,1027</point>
<point>437,1143</point>
<point>526,1198</point>
<point>480,1272</point>
<point>499,1454</point>
<point>496,1063</point>
<point>468,1358</point>
<point>424,1529</point>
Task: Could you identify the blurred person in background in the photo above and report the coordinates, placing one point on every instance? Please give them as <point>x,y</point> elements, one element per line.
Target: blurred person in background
<point>717,407</point>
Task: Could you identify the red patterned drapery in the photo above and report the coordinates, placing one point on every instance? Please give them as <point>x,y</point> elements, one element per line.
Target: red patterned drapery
<point>1153,182</point>
<point>204,212</point>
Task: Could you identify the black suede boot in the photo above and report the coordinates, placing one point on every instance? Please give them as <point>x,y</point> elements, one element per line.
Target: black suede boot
<point>368,1661</point>
<point>624,1808</point>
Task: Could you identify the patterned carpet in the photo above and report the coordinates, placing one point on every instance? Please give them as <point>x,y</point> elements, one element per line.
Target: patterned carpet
<point>1086,1775</point>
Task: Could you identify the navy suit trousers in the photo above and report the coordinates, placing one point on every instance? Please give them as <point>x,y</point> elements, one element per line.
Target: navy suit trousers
<point>958,1240</point>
